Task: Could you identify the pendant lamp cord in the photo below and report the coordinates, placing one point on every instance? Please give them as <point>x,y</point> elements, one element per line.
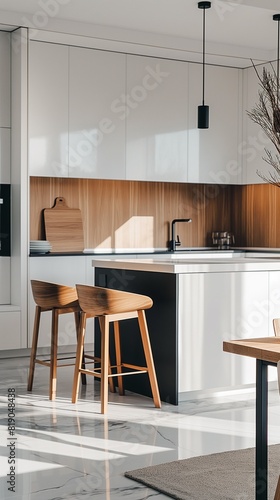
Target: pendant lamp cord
<point>203,55</point>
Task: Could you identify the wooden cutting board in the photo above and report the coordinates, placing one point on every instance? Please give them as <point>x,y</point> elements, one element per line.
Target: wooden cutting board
<point>64,227</point>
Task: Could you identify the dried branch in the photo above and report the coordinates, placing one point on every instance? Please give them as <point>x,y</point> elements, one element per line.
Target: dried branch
<point>266,113</point>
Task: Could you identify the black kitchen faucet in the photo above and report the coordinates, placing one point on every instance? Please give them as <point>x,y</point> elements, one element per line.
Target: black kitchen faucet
<point>176,243</point>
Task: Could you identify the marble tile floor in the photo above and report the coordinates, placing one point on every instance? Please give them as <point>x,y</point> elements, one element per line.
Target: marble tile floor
<point>66,451</point>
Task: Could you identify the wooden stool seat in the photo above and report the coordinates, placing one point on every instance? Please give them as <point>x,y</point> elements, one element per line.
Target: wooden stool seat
<point>59,299</point>
<point>112,306</point>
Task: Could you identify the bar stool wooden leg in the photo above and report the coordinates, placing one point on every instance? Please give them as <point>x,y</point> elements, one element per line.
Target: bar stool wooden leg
<point>277,492</point>
<point>118,356</point>
<point>77,323</point>
<point>149,358</point>
<point>79,357</point>
<point>34,347</point>
<point>110,380</point>
<point>53,362</point>
<point>104,324</point>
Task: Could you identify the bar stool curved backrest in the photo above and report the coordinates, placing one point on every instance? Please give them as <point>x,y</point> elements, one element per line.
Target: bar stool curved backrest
<point>276,326</point>
<point>113,306</point>
<point>59,299</point>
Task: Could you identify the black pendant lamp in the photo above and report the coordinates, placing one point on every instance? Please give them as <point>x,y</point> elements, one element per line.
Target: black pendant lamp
<point>203,110</point>
<point>276,112</point>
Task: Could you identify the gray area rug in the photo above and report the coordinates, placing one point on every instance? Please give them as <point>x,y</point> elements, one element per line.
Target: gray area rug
<point>221,476</point>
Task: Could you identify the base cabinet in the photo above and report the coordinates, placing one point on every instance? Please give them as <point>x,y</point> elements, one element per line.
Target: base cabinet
<point>162,325</point>
<point>192,315</point>
<point>5,280</point>
<point>65,271</point>
<point>10,329</point>
<point>214,307</point>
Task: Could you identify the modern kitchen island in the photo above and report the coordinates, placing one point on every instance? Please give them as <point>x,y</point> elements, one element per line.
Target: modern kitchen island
<point>199,301</point>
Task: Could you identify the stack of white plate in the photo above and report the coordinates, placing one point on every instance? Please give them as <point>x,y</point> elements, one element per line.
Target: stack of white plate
<point>40,246</point>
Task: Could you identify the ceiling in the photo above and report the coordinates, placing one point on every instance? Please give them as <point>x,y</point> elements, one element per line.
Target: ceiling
<point>239,29</point>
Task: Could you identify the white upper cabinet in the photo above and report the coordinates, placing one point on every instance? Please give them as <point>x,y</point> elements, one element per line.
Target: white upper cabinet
<point>5,82</point>
<point>48,109</point>
<point>96,119</point>
<point>213,153</point>
<point>5,105</point>
<point>255,141</point>
<point>156,112</point>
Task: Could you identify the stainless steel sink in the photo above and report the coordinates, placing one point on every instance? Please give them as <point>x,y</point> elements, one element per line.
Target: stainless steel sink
<point>201,254</point>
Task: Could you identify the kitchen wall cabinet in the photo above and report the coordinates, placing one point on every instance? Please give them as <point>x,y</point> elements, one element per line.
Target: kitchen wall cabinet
<point>48,109</point>
<point>156,113</point>
<point>96,121</point>
<point>100,114</point>
<point>5,107</point>
<point>5,80</point>
<point>213,155</point>
<point>254,139</point>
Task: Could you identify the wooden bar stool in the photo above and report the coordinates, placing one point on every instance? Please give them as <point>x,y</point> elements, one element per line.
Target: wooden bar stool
<point>112,306</point>
<point>59,299</point>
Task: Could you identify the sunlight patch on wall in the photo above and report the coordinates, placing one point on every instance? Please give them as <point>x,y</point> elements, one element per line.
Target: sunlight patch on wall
<point>107,243</point>
<point>137,232</point>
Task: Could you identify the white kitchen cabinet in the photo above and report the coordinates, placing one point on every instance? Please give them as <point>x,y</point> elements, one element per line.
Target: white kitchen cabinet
<point>48,109</point>
<point>213,155</point>
<point>65,270</point>
<point>156,112</point>
<point>10,333</point>
<point>5,155</point>
<point>214,307</point>
<point>5,80</point>
<point>96,122</point>
<point>5,280</point>
<point>255,141</point>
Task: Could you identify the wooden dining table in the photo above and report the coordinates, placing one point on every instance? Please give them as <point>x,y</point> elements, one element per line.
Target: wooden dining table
<point>266,351</point>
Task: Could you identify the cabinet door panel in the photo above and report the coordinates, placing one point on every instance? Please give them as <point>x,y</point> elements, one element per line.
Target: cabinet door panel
<point>213,152</point>
<point>5,83</point>
<point>157,122</point>
<point>96,128</point>
<point>10,330</point>
<point>5,154</point>
<point>238,309</point>
<point>48,109</point>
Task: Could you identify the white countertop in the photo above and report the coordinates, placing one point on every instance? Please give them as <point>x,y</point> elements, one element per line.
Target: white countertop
<point>195,264</point>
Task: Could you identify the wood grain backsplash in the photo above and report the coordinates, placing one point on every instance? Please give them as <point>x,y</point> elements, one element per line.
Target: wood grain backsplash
<point>126,214</point>
<point>256,215</point>
<point>129,214</point>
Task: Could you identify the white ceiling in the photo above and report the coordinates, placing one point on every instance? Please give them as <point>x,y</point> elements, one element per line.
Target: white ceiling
<point>237,29</point>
